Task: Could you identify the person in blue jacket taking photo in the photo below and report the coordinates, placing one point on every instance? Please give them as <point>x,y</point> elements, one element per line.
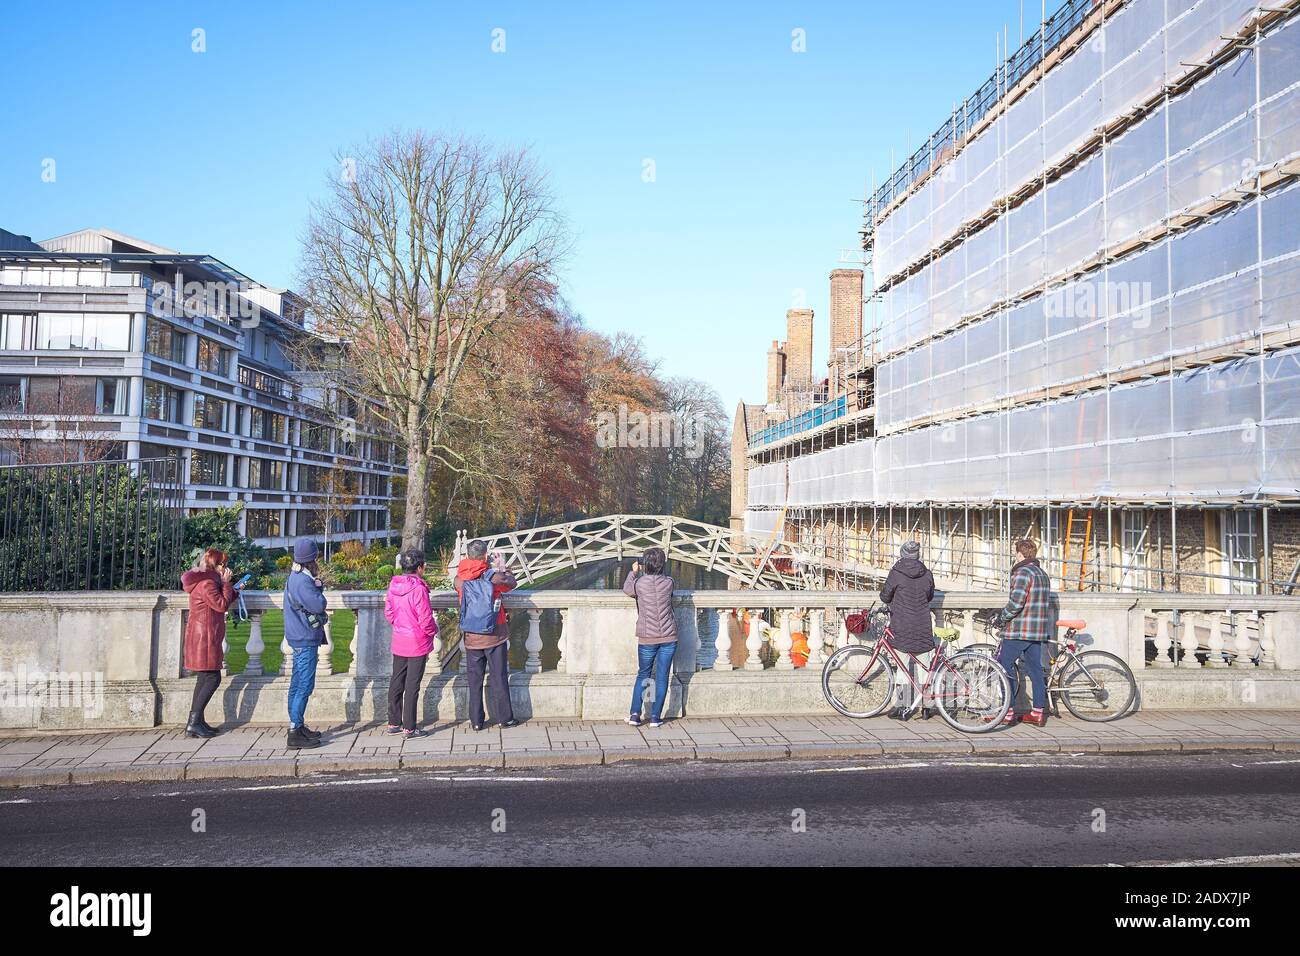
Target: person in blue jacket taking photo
<point>304,629</point>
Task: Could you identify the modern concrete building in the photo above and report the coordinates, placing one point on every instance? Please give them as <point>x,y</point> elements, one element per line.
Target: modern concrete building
<point>1082,322</point>
<point>113,347</point>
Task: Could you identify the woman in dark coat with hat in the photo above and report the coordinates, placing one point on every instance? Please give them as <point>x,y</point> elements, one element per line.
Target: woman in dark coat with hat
<point>211,595</point>
<point>908,590</point>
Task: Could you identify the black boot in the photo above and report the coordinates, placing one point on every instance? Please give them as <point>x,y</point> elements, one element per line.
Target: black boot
<point>898,713</point>
<point>308,732</point>
<point>195,727</point>
<point>300,741</point>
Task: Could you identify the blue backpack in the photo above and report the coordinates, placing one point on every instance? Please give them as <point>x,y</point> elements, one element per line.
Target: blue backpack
<point>478,610</point>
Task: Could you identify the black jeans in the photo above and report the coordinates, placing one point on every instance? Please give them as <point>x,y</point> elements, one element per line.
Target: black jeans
<point>496,660</point>
<point>204,688</point>
<point>404,689</point>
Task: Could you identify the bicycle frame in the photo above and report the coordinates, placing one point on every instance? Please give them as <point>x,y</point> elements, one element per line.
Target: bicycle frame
<point>1057,662</point>
<point>921,692</point>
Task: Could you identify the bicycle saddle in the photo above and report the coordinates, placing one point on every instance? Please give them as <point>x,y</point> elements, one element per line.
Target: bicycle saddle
<point>1074,625</point>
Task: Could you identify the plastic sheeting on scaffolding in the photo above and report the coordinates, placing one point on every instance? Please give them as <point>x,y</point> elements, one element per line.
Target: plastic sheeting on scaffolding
<point>1221,283</point>
<point>1243,117</point>
<point>760,525</point>
<point>1225,431</point>
<point>767,484</point>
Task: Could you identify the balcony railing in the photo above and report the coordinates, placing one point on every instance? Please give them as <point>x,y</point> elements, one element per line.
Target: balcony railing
<point>800,423</point>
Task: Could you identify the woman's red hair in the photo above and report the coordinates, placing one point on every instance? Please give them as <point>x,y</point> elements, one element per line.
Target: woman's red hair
<point>214,558</point>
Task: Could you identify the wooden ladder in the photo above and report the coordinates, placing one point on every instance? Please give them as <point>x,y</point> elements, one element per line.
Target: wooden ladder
<point>1083,556</point>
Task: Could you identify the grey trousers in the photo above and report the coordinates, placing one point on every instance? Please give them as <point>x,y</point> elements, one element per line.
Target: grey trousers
<point>495,661</point>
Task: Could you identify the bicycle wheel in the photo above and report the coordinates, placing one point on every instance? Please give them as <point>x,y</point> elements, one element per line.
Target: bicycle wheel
<point>971,692</point>
<point>1098,686</point>
<point>988,650</point>
<point>854,684</point>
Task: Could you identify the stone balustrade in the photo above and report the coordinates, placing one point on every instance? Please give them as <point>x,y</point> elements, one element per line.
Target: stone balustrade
<point>738,653</point>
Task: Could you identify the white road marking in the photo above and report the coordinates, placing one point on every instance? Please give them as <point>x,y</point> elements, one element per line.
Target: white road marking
<point>1223,860</point>
<point>1271,763</point>
<point>7,802</point>
<point>883,766</point>
<point>947,763</point>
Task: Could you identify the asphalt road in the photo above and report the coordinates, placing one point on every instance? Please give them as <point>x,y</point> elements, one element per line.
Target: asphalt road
<point>975,810</point>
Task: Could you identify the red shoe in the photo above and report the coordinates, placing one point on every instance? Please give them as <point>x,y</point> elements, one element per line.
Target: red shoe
<point>1035,717</point>
<point>1009,719</point>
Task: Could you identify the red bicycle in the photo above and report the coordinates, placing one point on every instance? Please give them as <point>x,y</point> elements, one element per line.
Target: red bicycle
<point>970,691</point>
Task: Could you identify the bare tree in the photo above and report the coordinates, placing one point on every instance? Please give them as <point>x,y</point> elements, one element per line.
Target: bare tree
<point>58,425</point>
<point>339,488</point>
<point>423,244</point>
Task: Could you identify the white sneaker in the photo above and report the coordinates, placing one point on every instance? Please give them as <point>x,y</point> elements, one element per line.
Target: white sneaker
<point>656,722</point>
<point>633,720</point>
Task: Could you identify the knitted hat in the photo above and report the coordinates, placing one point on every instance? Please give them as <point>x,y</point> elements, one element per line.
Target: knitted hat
<point>304,550</point>
<point>911,549</point>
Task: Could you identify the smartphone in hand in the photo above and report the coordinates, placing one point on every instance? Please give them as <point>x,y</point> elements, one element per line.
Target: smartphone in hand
<point>242,582</point>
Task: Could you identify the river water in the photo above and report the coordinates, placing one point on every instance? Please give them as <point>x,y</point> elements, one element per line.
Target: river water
<point>605,575</point>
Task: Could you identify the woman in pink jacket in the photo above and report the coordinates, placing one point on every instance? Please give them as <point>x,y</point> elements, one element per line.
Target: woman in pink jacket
<point>414,628</point>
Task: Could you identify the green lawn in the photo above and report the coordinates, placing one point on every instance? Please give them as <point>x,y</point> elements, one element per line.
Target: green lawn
<point>341,624</point>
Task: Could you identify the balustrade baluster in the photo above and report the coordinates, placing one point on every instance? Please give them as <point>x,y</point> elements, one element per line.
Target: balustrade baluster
<point>842,634</point>
<point>563,665</point>
<point>723,641</point>
<point>256,646</point>
<point>1241,644</point>
<point>754,642</point>
<point>534,643</point>
<point>785,641</point>
<point>355,647</point>
<point>325,657</point>
<point>1267,640</point>
<point>1215,658</point>
<point>286,662</point>
<point>816,638</point>
<point>1163,641</point>
<point>967,627</point>
<point>1188,641</point>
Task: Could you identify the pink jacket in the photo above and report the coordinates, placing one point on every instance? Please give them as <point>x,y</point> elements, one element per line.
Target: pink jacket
<point>407,609</point>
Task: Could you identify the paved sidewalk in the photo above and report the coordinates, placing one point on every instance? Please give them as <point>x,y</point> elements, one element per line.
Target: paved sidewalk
<point>252,751</point>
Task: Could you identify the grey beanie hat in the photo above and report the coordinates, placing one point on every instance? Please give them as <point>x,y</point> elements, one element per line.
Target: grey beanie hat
<point>911,549</point>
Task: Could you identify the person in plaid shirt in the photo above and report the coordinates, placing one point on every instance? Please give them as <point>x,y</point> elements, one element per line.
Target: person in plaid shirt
<point>1027,621</point>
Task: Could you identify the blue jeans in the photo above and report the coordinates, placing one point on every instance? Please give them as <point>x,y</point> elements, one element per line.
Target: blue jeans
<point>660,657</point>
<point>1031,652</point>
<point>302,683</point>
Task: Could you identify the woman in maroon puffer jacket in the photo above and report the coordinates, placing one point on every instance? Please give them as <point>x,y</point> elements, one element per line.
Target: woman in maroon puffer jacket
<point>211,595</point>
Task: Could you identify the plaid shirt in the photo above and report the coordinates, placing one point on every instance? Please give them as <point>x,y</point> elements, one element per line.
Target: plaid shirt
<point>1029,615</point>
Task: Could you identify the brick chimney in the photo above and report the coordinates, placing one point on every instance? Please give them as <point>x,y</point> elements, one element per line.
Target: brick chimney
<point>798,346</point>
<point>846,320</point>
<point>775,372</point>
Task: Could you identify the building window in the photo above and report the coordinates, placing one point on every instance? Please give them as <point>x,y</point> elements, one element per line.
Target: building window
<point>209,412</point>
<point>12,389</point>
<point>1240,543</point>
<point>17,330</point>
<point>207,468</point>
<point>267,426</point>
<point>265,474</point>
<point>213,358</point>
<point>313,436</point>
<point>110,396</point>
<point>309,478</point>
<point>162,402</point>
<point>75,330</point>
<point>1133,549</point>
<point>262,523</point>
<point>164,341</point>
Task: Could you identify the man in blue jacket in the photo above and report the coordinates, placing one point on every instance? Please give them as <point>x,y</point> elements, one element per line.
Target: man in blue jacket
<point>304,629</point>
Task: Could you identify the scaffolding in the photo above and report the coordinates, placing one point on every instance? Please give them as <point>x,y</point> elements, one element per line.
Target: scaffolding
<point>1084,323</point>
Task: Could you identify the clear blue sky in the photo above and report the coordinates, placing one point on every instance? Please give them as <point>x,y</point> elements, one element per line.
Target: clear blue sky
<point>761,153</point>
